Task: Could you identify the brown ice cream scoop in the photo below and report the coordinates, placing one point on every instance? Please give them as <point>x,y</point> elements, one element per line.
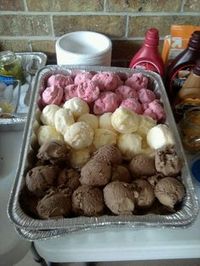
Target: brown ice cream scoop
<point>56,203</point>
<point>142,165</point>
<point>167,161</point>
<point>95,173</point>
<point>144,194</point>
<point>108,153</point>
<point>69,178</point>
<point>54,151</point>
<point>154,179</point>
<point>119,198</point>
<point>40,178</point>
<point>121,173</point>
<point>169,191</point>
<point>88,201</point>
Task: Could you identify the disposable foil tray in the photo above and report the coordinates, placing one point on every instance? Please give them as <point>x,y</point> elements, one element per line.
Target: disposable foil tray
<point>28,225</point>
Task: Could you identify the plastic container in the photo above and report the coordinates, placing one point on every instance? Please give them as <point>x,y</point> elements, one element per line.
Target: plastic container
<point>148,57</point>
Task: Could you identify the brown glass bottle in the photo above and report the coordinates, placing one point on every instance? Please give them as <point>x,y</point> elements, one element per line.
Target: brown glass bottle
<point>180,68</point>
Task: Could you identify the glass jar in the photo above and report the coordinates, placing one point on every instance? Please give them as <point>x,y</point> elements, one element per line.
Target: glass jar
<point>10,68</point>
<point>190,129</point>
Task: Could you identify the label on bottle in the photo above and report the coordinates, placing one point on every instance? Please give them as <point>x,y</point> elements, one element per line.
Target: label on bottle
<point>8,80</point>
<point>148,65</point>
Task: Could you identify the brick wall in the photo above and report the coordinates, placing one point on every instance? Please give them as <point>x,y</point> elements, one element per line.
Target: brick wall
<point>34,25</point>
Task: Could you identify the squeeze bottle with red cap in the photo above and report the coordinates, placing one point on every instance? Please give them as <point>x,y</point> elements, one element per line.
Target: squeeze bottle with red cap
<point>148,57</point>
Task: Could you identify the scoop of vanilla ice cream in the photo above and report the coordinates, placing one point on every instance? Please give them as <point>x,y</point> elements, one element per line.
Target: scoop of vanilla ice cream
<point>77,106</point>
<point>105,121</point>
<point>79,157</point>
<point>129,145</point>
<point>103,137</point>
<point>159,136</point>
<point>47,133</point>
<point>145,124</point>
<point>48,113</point>
<point>63,118</point>
<point>79,135</point>
<point>90,119</point>
<point>124,120</point>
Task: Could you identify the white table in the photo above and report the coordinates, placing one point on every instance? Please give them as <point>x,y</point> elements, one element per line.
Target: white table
<point>109,245</point>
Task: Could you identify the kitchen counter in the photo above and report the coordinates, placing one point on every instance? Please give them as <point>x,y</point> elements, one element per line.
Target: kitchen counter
<point>99,244</point>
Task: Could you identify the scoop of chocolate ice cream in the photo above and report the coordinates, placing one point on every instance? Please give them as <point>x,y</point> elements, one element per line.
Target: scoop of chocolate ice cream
<point>119,197</point>
<point>144,193</point>
<point>121,173</point>
<point>142,165</point>
<point>53,151</point>
<point>40,178</point>
<point>108,153</point>
<point>69,178</point>
<point>167,161</point>
<point>154,179</point>
<point>169,191</point>
<point>95,173</point>
<point>56,203</point>
<point>88,201</point>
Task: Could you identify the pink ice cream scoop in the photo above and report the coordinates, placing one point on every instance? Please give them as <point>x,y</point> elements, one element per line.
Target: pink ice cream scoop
<point>107,102</point>
<point>150,113</point>
<point>146,96</point>
<point>155,110</point>
<point>59,80</point>
<point>106,81</point>
<point>88,91</point>
<point>125,92</point>
<point>82,77</point>
<point>133,105</point>
<point>70,91</point>
<point>52,95</point>
<point>137,81</point>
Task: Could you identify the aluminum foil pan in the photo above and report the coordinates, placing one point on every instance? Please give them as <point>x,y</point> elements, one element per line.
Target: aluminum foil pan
<point>17,119</point>
<point>183,217</point>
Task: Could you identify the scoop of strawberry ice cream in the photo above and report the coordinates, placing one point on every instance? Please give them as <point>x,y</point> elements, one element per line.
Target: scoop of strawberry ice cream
<point>106,81</point>
<point>133,105</point>
<point>126,92</point>
<point>146,96</point>
<point>82,77</point>
<point>88,91</point>
<point>107,102</point>
<point>150,113</point>
<point>155,109</point>
<point>70,91</point>
<point>59,80</point>
<point>137,81</point>
<point>52,95</point>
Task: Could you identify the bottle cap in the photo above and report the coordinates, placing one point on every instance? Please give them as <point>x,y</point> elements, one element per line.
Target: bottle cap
<point>195,168</point>
<point>152,37</point>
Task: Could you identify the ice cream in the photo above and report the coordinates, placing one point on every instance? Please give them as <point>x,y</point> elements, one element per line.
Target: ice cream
<point>88,91</point>
<point>40,178</point>
<point>107,102</point>
<point>55,152</point>
<point>129,145</point>
<point>124,120</point>
<point>48,133</point>
<point>55,204</point>
<point>126,92</point>
<point>121,173</point>
<point>48,114</point>
<point>90,119</point>
<point>106,81</point>
<point>103,137</point>
<point>59,80</point>
<point>167,161</point>
<point>70,91</point>
<point>79,135</point>
<point>63,118</point>
<point>169,191</point>
<point>142,165</point>
<point>69,178</point>
<point>105,121</point>
<point>88,201</point>
<point>82,77</point>
<point>119,198</point>
<point>145,124</point>
<point>95,173</point>
<point>108,153</point>
<point>52,95</point>
<point>133,105</point>
<point>159,136</point>
<point>77,106</point>
<point>154,179</point>
<point>144,193</point>
<point>137,81</point>
<point>79,157</point>
<point>146,96</point>
<point>157,109</point>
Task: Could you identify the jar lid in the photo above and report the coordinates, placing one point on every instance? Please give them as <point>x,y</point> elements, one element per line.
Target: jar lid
<point>195,168</point>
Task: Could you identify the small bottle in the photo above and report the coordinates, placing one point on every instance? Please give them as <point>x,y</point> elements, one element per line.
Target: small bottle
<point>148,57</point>
<point>181,66</point>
